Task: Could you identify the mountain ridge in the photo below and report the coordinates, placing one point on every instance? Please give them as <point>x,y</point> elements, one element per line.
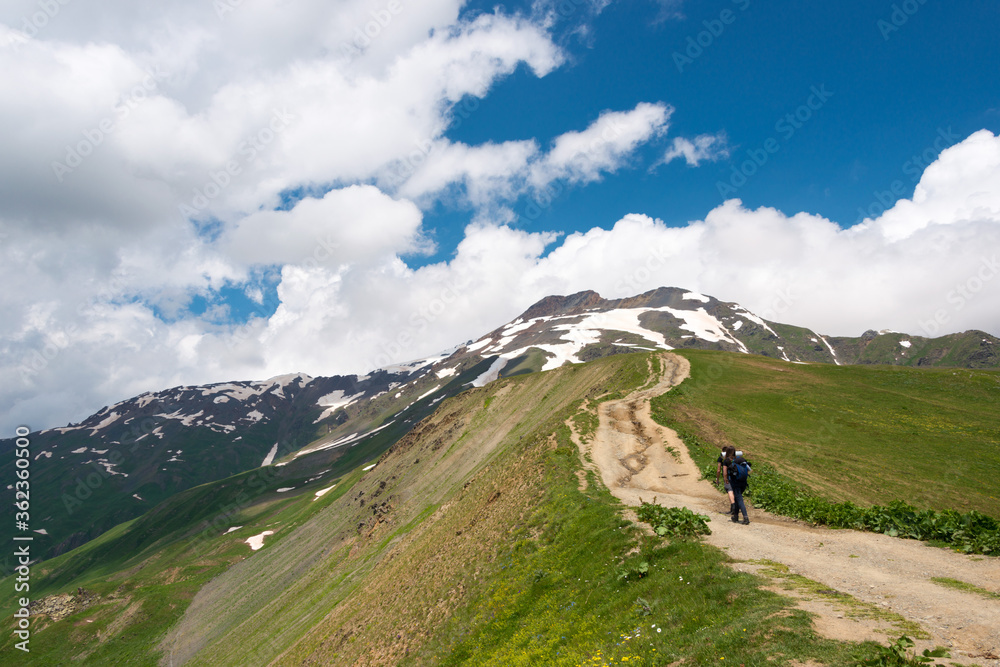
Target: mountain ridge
<point>133,454</point>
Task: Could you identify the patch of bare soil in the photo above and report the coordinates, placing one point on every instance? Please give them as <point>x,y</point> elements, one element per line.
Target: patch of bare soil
<point>629,453</point>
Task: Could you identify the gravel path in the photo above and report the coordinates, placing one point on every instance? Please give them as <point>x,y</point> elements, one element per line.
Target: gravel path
<point>629,451</point>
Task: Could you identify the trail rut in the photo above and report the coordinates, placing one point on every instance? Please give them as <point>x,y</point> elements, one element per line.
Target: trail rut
<point>629,452</point>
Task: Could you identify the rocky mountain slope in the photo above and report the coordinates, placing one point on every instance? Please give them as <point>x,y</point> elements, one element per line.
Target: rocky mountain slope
<point>585,326</point>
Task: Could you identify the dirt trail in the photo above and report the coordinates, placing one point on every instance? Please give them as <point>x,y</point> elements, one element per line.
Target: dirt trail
<point>629,451</point>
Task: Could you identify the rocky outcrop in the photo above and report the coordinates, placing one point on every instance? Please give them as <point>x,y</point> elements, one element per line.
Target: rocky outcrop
<point>58,607</point>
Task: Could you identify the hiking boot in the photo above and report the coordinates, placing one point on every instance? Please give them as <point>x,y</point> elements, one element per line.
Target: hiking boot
<point>735,519</point>
<point>745,522</point>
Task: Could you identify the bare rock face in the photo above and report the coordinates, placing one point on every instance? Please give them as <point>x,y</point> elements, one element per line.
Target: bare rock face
<point>58,607</point>
<point>565,305</point>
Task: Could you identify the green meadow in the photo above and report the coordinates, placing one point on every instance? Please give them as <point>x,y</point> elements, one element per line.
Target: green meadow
<point>866,434</point>
<point>475,541</point>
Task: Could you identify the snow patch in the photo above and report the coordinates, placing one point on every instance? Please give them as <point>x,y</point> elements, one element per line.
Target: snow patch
<point>694,296</point>
<point>136,496</point>
<point>334,401</point>
<point>753,318</point>
<point>79,451</point>
<point>42,531</point>
<point>576,336</point>
<point>269,459</point>
<point>322,492</point>
<point>142,400</point>
<point>232,529</point>
<point>110,467</point>
<point>369,467</point>
<point>254,416</point>
<point>234,391</point>
<point>47,455</point>
<point>446,372</point>
<point>257,541</point>
<point>906,343</point>
<point>704,326</point>
<point>285,488</point>
<point>429,393</point>
<point>830,347</point>
<point>287,379</point>
<point>491,373</point>
<point>186,420</point>
<point>737,325</point>
<point>110,419</point>
<point>475,347</point>
<point>354,437</point>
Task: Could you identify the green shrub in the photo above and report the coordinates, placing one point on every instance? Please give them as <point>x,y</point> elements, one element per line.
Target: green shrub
<point>674,521</point>
<point>971,532</point>
<point>897,654</point>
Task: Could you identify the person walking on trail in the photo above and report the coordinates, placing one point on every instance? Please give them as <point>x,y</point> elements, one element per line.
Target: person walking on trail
<point>725,480</point>
<point>737,471</point>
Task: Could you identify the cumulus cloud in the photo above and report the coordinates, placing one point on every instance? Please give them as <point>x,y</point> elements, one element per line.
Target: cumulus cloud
<point>938,275</point>
<point>960,186</point>
<point>581,157</point>
<point>290,160</point>
<point>490,172</point>
<point>802,269</point>
<point>353,224</point>
<point>152,166</point>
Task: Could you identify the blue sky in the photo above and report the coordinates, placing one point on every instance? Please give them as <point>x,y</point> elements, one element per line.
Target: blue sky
<point>899,93</point>
<point>197,192</point>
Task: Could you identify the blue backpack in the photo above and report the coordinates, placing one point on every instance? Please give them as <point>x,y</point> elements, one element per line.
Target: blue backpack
<point>739,472</point>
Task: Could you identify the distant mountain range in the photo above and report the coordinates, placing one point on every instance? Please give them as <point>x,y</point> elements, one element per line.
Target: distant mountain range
<point>128,457</point>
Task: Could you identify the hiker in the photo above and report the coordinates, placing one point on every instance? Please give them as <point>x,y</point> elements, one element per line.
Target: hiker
<point>737,470</point>
<point>725,480</point>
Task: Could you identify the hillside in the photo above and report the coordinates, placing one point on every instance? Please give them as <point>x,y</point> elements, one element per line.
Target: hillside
<point>129,457</point>
<point>869,434</point>
<point>468,533</point>
<point>477,538</point>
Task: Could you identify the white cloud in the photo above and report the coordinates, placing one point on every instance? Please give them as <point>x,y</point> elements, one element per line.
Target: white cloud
<point>353,224</point>
<point>490,172</point>
<point>801,269</point>
<point>486,172</point>
<point>223,115</point>
<point>960,186</point>
<point>170,112</point>
<point>710,147</point>
<point>581,157</point>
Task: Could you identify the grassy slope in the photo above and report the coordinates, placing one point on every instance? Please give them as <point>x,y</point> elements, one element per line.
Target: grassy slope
<point>498,558</point>
<point>865,434</point>
<point>486,551</point>
<point>160,560</point>
<point>348,546</point>
<point>565,589</point>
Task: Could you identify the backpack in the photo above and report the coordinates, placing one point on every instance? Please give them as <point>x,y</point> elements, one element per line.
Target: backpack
<point>739,472</point>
